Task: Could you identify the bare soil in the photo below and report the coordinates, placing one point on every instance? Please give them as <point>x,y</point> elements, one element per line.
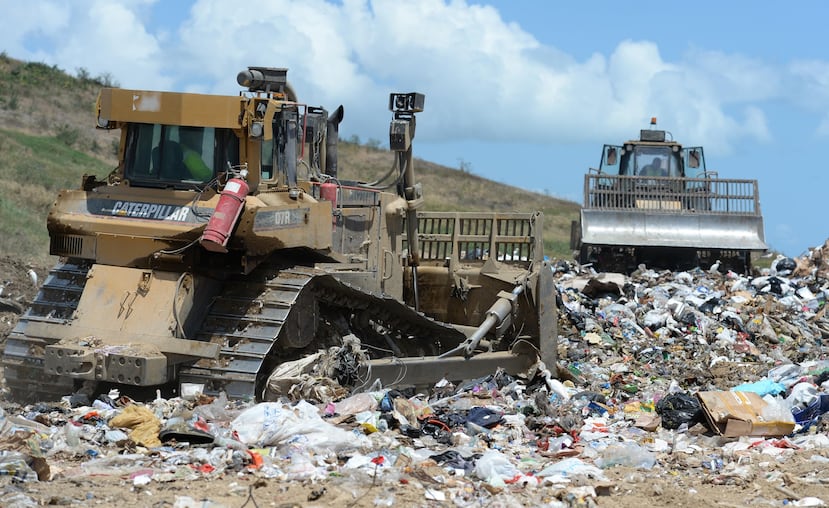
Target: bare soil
<point>672,483</point>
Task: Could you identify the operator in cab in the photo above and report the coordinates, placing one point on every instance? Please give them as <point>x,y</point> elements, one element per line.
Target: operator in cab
<point>655,168</point>
<point>192,159</point>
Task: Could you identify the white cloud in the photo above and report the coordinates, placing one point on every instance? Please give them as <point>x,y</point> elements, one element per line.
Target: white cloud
<point>101,36</point>
<point>810,83</point>
<point>809,90</point>
<point>220,40</point>
<point>115,35</point>
<point>484,78</point>
<point>23,20</point>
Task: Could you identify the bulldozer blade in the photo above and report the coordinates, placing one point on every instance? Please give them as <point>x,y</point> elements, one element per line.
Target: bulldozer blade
<point>649,229</point>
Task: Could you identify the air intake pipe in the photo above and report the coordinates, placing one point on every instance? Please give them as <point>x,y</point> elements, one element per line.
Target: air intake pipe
<point>332,138</point>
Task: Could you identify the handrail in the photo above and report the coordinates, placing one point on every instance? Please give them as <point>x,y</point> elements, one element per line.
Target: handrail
<point>473,236</point>
<point>672,194</point>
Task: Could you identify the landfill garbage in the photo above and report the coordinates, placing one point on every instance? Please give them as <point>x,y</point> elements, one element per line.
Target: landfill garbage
<point>276,424</point>
<point>627,453</point>
<point>740,414</point>
<point>677,409</point>
<point>641,357</point>
<point>313,378</point>
<point>813,411</point>
<point>143,424</point>
<point>762,387</point>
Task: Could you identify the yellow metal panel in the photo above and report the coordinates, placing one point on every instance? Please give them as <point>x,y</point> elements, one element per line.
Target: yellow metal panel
<point>171,108</point>
<point>118,301</point>
<point>303,223</point>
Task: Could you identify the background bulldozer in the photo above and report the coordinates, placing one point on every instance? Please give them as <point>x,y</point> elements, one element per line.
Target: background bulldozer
<point>653,201</point>
<point>226,243</point>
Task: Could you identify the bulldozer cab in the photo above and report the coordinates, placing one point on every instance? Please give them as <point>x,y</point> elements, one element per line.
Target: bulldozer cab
<point>643,160</point>
<point>652,161</point>
<point>652,155</point>
<point>179,156</point>
<point>193,141</point>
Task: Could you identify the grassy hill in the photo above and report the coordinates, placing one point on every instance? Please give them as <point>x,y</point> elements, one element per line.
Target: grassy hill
<point>48,141</point>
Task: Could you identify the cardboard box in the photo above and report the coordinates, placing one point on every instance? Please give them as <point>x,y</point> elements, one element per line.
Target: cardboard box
<point>733,414</point>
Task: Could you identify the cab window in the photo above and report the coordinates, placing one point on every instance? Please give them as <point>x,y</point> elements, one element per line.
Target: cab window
<point>266,158</point>
<point>169,154</point>
<point>656,161</point>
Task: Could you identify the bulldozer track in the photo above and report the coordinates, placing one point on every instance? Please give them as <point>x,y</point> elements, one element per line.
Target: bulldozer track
<point>251,320</point>
<point>23,357</point>
<point>245,320</point>
<point>250,323</point>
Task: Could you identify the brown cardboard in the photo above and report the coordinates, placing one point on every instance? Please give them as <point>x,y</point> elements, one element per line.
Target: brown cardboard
<point>734,414</point>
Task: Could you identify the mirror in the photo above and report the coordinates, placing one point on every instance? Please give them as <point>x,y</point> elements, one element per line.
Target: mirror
<point>693,158</point>
<point>610,159</point>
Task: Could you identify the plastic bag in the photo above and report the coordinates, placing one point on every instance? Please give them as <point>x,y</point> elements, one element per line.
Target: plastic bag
<point>776,410</point>
<point>786,374</point>
<point>494,467</point>
<point>571,467</point>
<point>783,266</point>
<point>16,464</point>
<point>655,318</point>
<point>143,422</point>
<point>216,411</point>
<point>627,453</point>
<point>762,387</point>
<point>802,395</point>
<point>678,408</point>
<point>274,424</point>
<point>356,404</point>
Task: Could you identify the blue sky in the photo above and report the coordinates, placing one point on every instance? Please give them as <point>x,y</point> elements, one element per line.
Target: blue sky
<point>522,92</point>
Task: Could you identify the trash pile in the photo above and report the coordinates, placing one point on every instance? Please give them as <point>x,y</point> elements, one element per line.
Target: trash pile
<point>669,383</point>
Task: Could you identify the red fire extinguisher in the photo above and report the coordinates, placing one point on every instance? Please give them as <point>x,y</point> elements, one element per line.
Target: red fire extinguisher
<point>224,217</point>
<point>328,192</point>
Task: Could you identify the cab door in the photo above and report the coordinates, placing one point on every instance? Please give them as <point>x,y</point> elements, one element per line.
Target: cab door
<point>602,190</point>
<point>698,188</point>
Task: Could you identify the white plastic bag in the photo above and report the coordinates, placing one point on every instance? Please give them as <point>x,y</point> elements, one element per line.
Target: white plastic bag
<point>494,467</point>
<point>777,409</point>
<point>276,424</point>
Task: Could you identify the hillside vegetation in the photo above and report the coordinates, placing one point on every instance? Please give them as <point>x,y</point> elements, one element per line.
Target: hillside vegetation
<point>48,141</point>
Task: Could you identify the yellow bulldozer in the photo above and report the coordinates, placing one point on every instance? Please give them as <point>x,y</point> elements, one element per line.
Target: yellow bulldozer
<point>227,242</point>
